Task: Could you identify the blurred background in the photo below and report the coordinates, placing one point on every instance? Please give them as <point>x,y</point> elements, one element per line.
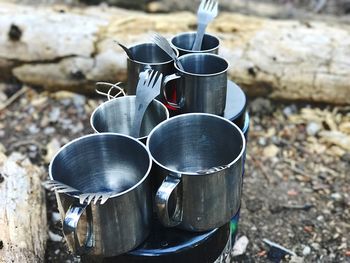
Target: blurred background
<point>291,57</point>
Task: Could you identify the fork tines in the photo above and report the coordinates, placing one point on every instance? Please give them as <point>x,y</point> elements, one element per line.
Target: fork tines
<point>207,10</point>
<point>94,197</point>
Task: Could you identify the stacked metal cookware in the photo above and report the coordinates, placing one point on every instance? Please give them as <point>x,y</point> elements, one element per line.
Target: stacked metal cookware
<point>160,180</point>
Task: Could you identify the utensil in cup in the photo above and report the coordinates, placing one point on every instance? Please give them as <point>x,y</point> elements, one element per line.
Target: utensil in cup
<point>147,56</point>
<point>183,43</point>
<point>207,11</point>
<point>201,86</point>
<point>104,163</point>
<point>183,146</point>
<point>148,88</point>
<point>163,43</point>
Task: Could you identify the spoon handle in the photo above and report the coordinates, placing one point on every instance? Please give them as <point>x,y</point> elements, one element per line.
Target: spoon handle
<point>127,51</point>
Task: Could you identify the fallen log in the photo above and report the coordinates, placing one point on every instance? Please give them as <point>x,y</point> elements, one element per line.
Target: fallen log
<point>72,48</point>
<point>23,227</point>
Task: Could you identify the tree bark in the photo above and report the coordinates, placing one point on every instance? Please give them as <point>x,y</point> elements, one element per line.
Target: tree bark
<point>72,48</point>
<point>23,227</point>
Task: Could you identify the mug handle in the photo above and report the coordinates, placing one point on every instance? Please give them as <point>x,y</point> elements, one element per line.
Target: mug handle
<point>70,224</point>
<point>163,194</point>
<point>165,81</point>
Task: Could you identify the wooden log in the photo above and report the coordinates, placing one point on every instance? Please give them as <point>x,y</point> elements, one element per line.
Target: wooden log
<point>71,48</point>
<point>23,227</point>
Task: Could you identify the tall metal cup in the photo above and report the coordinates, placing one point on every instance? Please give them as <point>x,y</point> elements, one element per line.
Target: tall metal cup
<point>102,163</point>
<point>147,56</point>
<point>183,42</point>
<point>198,163</point>
<point>201,86</point>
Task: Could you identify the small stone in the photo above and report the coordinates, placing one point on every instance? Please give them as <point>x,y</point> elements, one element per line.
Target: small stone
<point>313,128</point>
<point>52,148</point>
<point>156,7</point>
<point>306,250</point>
<point>55,217</point>
<point>292,192</point>
<point>2,133</point>
<point>254,205</point>
<point>261,106</point>
<point>54,237</point>
<point>1,244</point>
<point>262,141</point>
<point>320,218</point>
<point>57,251</point>
<point>49,130</point>
<point>39,101</point>
<point>289,110</point>
<point>3,97</point>
<point>271,151</point>
<point>79,100</point>
<point>336,137</point>
<point>254,228</point>
<point>336,196</point>
<point>240,246</point>
<point>33,129</point>
<point>315,246</point>
<point>62,94</point>
<point>296,259</point>
<point>33,148</point>
<point>54,114</point>
<point>345,127</point>
<point>77,128</point>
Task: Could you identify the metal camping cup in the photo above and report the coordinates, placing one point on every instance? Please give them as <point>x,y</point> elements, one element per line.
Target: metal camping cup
<point>117,116</point>
<point>202,86</point>
<point>104,162</point>
<point>183,42</point>
<point>147,56</point>
<point>199,158</point>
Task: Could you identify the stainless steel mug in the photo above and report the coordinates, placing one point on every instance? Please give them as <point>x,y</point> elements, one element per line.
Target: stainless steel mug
<point>198,158</point>
<point>117,116</point>
<point>147,56</point>
<point>183,42</point>
<point>201,86</point>
<point>102,163</point>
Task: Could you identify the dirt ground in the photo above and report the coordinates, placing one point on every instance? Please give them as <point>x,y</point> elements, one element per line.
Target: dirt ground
<point>296,186</point>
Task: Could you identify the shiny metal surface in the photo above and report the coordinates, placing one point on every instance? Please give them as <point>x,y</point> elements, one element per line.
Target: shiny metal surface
<point>183,43</point>
<point>202,86</point>
<point>117,116</point>
<point>170,245</point>
<point>104,162</point>
<point>147,56</point>
<point>148,88</point>
<point>236,104</point>
<point>180,147</point>
<point>207,11</point>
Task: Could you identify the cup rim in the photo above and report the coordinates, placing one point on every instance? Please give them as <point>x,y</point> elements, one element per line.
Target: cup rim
<point>106,134</point>
<point>241,153</point>
<point>111,101</point>
<point>153,63</point>
<point>202,75</point>
<point>195,51</point>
